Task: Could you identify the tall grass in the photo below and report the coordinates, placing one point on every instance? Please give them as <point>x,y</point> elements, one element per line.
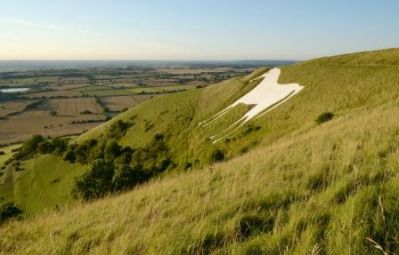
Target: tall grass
<point>304,189</point>
<point>329,190</point>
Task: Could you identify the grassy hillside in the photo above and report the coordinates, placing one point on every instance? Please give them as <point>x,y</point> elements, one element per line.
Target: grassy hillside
<point>323,191</point>
<point>307,188</point>
<point>40,183</point>
<point>7,153</point>
<point>46,182</point>
<point>178,116</point>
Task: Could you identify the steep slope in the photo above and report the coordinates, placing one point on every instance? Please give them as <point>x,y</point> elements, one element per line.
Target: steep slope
<point>177,116</point>
<point>46,181</point>
<point>326,190</point>
<point>41,183</point>
<point>307,188</point>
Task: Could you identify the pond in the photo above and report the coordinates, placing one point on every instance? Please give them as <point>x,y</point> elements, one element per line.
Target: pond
<point>14,90</point>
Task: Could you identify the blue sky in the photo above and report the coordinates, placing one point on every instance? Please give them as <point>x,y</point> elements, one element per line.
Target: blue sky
<point>194,29</point>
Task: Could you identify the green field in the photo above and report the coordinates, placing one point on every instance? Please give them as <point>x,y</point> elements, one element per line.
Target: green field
<point>160,89</point>
<point>288,184</point>
<point>7,153</point>
<point>42,183</point>
<point>24,114</point>
<point>101,91</point>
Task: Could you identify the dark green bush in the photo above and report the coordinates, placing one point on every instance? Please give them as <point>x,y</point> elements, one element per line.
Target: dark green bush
<point>217,155</point>
<point>88,151</point>
<point>119,168</point>
<point>60,145</point>
<point>324,117</point>
<point>44,147</point>
<point>97,182</point>
<point>39,144</point>
<point>86,112</point>
<point>118,129</point>
<point>104,177</point>
<point>125,156</point>
<point>29,148</point>
<point>70,156</point>
<point>126,177</point>
<point>112,150</point>
<point>8,211</point>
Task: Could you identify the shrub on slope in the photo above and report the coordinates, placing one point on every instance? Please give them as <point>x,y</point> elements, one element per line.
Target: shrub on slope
<point>331,189</point>
<point>9,211</point>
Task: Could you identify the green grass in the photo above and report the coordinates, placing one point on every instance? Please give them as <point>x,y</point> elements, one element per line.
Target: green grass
<point>324,189</point>
<point>109,91</point>
<point>178,115</point>
<point>43,183</point>
<point>159,89</point>
<point>8,153</point>
<point>54,178</point>
<point>338,85</point>
<point>291,186</point>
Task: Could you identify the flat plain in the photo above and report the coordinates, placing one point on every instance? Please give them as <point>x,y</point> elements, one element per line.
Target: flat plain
<point>62,102</point>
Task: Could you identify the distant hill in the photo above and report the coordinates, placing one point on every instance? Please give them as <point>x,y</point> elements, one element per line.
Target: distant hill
<point>29,65</point>
<point>319,174</point>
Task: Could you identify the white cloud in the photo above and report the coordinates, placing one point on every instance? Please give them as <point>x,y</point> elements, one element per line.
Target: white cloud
<point>27,23</point>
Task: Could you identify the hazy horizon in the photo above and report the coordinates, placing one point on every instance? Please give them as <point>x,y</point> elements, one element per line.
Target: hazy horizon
<point>30,65</point>
<point>190,30</point>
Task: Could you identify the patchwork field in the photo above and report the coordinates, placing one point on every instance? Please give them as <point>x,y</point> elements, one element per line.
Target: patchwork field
<point>52,117</point>
<point>120,103</point>
<point>13,107</point>
<point>160,89</point>
<point>103,92</point>
<point>70,101</point>
<point>23,126</point>
<point>71,106</point>
<point>54,94</point>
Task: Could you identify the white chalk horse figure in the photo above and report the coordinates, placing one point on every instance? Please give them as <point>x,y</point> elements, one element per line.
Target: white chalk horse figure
<point>264,98</point>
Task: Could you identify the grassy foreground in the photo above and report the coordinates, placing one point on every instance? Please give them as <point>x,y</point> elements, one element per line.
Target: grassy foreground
<point>306,188</point>
<point>324,191</point>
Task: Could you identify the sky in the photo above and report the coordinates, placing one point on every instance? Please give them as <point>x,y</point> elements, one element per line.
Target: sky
<point>194,29</point>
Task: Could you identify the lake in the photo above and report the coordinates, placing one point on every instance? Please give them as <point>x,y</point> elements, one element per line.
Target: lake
<point>14,90</point>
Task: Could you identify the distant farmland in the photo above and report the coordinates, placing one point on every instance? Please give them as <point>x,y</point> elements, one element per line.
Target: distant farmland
<point>72,106</point>
<point>71,101</point>
<point>119,103</point>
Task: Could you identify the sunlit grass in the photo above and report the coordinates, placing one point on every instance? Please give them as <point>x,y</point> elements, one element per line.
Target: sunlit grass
<point>299,187</point>
<point>323,189</point>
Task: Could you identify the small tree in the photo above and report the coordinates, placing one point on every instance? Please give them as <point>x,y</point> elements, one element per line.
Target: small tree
<point>118,129</point>
<point>8,211</point>
<point>44,147</point>
<point>97,182</point>
<point>29,147</point>
<point>324,117</point>
<point>59,145</point>
<point>126,177</point>
<point>112,150</point>
<point>217,155</point>
<point>70,156</point>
